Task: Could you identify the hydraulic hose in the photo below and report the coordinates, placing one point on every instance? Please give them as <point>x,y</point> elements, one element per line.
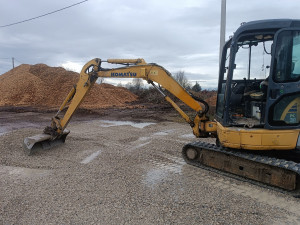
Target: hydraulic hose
<point>206,106</point>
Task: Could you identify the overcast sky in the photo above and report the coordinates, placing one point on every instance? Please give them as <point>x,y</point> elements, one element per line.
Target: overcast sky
<point>177,34</point>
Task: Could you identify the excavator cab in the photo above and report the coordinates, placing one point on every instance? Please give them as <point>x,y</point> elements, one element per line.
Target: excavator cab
<point>259,76</point>
<point>258,107</point>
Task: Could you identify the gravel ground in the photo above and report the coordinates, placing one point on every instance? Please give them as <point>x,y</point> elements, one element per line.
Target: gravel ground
<point>111,172</point>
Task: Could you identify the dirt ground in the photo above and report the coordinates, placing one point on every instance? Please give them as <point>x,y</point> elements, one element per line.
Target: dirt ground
<point>122,167</point>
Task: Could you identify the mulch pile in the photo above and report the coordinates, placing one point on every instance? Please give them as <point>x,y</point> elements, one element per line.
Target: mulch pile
<point>46,87</point>
<point>212,101</point>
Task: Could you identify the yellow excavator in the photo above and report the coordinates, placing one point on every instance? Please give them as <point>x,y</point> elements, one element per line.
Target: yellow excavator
<point>257,120</point>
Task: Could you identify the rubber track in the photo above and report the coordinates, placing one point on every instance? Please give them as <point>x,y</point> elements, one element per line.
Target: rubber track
<point>282,163</point>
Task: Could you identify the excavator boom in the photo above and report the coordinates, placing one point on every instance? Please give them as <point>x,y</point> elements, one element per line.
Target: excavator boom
<point>131,68</point>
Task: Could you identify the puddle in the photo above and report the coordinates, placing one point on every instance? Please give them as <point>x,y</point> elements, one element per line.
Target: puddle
<point>143,139</point>
<point>188,136</point>
<point>91,157</point>
<point>24,172</point>
<point>3,130</point>
<point>111,123</point>
<point>161,133</point>
<point>163,170</point>
<point>155,176</point>
<point>140,146</point>
<point>164,133</point>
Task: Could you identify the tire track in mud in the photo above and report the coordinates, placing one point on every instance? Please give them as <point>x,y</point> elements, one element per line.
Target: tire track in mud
<point>259,194</point>
<point>262,195</point>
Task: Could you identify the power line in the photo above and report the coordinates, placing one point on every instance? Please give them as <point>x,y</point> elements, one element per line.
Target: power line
<point>43,14</point>
<point>9,58</point>
<point>18,60</point>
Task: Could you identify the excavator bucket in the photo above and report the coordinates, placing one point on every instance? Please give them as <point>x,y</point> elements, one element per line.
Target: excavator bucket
<point>43,142</point>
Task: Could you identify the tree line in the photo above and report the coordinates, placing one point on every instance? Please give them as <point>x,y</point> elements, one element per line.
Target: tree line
<point>180,77</point>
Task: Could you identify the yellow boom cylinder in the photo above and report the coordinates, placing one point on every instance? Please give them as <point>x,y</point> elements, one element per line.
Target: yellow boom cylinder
<point>124,61</point>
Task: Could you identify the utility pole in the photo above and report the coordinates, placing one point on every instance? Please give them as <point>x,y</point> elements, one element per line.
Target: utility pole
<point>13,62</point>
<point>222,28</point>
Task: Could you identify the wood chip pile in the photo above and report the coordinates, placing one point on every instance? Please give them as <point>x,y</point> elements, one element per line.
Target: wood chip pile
<point>212,101</point>
<point>46,87</point>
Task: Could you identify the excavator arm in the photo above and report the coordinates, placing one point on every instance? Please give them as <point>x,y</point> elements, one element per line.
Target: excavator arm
<point>130,68</point>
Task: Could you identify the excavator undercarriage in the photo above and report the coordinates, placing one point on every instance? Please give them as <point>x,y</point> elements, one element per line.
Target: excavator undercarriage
<point>280,173</point>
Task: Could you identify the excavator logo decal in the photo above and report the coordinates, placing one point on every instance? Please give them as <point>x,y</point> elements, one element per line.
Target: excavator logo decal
<point>123,74</point>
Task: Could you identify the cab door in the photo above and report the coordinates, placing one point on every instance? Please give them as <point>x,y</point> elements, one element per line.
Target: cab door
<point>283,98</point>
<point>223,71</point>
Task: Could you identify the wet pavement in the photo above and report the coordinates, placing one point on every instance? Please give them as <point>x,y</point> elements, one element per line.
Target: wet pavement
<point>125,172</point>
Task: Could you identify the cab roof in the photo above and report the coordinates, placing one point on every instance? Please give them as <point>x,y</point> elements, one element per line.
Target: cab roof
<point>271,25</point>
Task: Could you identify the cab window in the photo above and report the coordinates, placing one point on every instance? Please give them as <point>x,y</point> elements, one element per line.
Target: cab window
<point>287,57</point>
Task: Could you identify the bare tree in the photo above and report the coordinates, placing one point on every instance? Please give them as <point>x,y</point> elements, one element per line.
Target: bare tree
<point>137,83</point>
<point>100,80</point>
<point>182,80</point>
